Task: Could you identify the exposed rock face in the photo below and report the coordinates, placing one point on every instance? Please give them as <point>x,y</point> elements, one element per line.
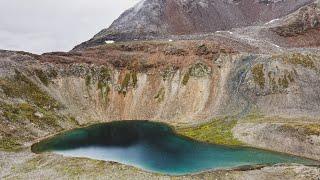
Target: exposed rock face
<point>305,19</point>
<point>301,28</point>
<point>285,135</point>
<point>296,30</point>
<point>151,84</point>
<point>160,18</point>
<point>184,82</point>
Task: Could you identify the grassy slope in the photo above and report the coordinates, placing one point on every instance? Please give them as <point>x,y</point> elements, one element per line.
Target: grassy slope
<point>218,131</point>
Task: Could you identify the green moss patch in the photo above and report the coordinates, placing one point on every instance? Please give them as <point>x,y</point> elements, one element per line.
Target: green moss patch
<point>279,83</point>
<point>305,128</point>
<point>219,131</point>
<point>22,112</point>
<point>197,70</point>
<point>253,117</point>
<point>15,113</point>
<point>42,76</point>
<point>102,77</point>
<point>186,78</point>
<point>134,79</point>
<point>202,50</point>
<point>283,82</point>
<point>9,144</point>
<point>73,169</point>
<point>300,59</point>
<point>23,88</point>
<point>258,75</point>
<point>46,76</point>
<point>130,79</point>
<point>105,90</point>
<point>88,80</point>
<point>168,72</point>
<point>312,129</point>
<point>160,95</point>
<point>125,83</point>
<point>105,74</point>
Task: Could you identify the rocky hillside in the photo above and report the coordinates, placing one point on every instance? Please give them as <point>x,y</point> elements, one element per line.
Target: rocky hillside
<point>301,28</point>
<point>180,83</point>
<point>256,86</point>
<point>154,18</point>
<point>227,75</point>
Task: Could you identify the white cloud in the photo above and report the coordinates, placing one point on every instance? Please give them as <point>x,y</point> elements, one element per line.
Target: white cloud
<point>54,25</point>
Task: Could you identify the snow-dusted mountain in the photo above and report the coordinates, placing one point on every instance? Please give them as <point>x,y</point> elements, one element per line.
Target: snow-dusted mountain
<point>159,18</point>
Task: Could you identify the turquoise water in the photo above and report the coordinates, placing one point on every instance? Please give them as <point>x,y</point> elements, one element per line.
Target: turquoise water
<point>155,147</point>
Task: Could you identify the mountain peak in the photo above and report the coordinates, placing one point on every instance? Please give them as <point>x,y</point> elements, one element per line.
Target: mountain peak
<point>150,19</point>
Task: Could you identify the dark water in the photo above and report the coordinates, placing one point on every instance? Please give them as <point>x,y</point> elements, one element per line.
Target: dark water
<point>155,147</point>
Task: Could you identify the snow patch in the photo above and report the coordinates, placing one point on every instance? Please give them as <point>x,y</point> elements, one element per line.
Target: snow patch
<point>109,42</point>
<point>276,46</point>
<point>224,32</point>
<point>272,21</point>
<point>230,32</point>
<point>138,6</point>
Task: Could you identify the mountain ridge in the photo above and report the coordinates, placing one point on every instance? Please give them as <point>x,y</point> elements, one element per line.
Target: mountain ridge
<point>151,19</point>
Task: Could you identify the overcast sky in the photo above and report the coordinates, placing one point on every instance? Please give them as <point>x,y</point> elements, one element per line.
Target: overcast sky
<point>54,25</point>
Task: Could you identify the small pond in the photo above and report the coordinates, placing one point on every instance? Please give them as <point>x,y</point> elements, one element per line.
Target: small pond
<point>155,147</point>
